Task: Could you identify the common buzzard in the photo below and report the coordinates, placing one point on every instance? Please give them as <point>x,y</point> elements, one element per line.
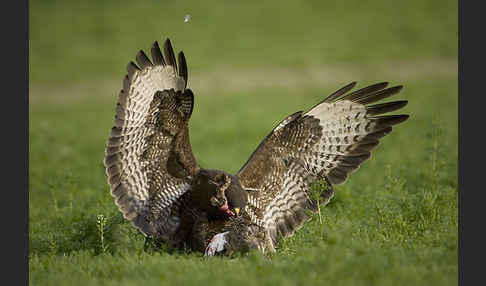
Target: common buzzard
<point>160,188</point>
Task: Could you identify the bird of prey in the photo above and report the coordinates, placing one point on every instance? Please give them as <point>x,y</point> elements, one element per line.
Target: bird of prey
<point>160,188</point>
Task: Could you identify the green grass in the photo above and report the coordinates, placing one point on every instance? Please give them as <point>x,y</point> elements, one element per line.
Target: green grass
<point>395,220</point>
<point>71,41</point>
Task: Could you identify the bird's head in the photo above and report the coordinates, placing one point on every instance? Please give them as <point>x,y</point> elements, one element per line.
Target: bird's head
<point>223,190</point>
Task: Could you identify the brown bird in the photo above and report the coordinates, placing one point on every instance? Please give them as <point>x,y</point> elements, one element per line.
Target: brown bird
<point>159,187</point>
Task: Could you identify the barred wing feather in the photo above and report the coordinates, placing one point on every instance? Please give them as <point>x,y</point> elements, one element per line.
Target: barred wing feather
<point>328,142</point>
<point>148,157</point>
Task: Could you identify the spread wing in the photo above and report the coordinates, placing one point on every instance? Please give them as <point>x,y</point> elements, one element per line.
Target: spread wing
<point>328,142</point>
<point>148,157</point>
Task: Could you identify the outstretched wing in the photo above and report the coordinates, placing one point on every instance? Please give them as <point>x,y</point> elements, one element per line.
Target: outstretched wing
<point>328,142</point>
<point>148,157</point>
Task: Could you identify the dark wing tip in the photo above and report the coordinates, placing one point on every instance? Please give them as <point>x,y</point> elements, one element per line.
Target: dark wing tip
<point>364,91</point>
<point>389,120</point>
<point>377,95</point>
<point>339,92</point>
<point>395,89</point>
<point>169,54</point>
<point>142,60</point>
<point>379,86</point>
<point>157,54</point>
<point>386,107</point>
<point>182,67</point>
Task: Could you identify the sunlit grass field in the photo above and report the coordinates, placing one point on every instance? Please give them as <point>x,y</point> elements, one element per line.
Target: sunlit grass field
<point>394,222</point>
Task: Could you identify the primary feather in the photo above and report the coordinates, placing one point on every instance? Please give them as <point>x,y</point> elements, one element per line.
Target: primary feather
<point>148,157</point>
<point>160,188</point>
<point>328,142</point>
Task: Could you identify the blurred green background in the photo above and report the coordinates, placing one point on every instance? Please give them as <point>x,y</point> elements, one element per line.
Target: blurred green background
<point>251,63</point>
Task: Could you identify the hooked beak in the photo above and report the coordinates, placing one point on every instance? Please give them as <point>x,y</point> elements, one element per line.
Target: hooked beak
<point>226,209</point>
